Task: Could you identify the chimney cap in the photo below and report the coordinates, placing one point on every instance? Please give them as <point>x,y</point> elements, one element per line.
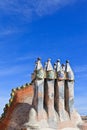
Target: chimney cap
<point>38,58</point>
<point>49,59</point>
<point>63,64</point>
<point>67,61</point>
<point>55,64</point>
<point>58,60</point>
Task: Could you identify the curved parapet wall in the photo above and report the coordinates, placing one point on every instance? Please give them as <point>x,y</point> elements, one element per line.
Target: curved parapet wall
<point>23,94</point>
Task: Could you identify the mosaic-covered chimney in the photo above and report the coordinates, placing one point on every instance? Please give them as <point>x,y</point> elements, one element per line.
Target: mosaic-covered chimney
<point>47,103</point>
<point>53,99</point>
<point>53,89</point>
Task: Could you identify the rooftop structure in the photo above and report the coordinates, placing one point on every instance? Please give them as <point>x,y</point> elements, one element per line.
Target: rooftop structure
<point>46,103</point>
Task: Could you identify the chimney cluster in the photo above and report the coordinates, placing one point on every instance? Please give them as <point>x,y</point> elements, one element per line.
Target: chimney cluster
<point>53,90</point>
<point>60,72</point>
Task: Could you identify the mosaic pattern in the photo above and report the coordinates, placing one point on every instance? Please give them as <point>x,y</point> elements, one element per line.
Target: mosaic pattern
<point>40,74</point>
<point>50,75</point>
<point>61,75</point>
<point>69,76</point>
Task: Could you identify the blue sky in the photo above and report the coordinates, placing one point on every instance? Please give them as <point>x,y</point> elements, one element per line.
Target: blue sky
<point>42,28</point>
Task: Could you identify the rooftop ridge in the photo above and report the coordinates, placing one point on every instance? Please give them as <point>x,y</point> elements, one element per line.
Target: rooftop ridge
<point>12,96</point>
